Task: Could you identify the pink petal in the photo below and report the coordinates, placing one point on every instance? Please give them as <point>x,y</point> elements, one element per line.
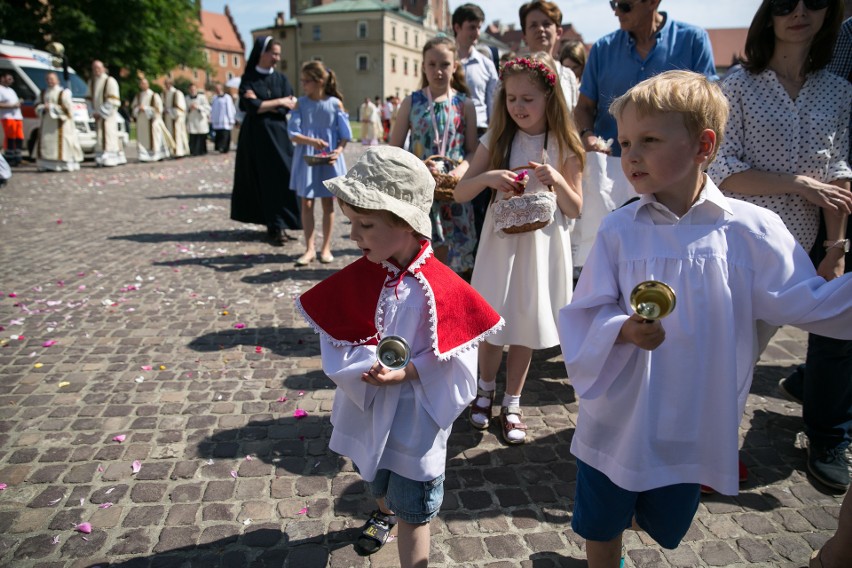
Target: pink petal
<point>59,221</point>
<point>233,474</point>
<point>282,399</point>
<point>85,528</point>
<point>239,326</point>
<point>120,438</point>
<point>302,511</point>
<point>301,393</point>
<point>49,343</point>
<point>55,540</point>
<point>3,486</point>
<point>299,413</point>
<point>147,367</point>
<point>12,295</point>
<point>136,466</point>
<point>106,505</point>
<point>258,349</point>
<point>248,458</point>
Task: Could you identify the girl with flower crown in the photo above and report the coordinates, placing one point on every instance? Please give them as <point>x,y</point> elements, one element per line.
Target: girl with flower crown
<point>527,276</point>
<point>441,120</point>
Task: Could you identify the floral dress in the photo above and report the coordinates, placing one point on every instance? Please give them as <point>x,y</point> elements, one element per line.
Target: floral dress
<point>452,223</point>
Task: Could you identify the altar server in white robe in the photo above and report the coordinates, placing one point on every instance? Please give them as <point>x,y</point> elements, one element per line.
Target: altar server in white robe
<point>153,139</point>
<point>57,149</point>
<point>197,121</point>
<point>175,118</point>
<point>105,99</point>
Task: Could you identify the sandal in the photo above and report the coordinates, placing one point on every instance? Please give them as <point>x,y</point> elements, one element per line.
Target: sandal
<point>480,409</point>
<point>514,431</point>
<point>374,533</point>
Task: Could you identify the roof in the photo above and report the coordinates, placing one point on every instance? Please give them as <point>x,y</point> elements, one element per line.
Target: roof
<point>219,32</point>
<point>727,43</point>
<point>342,6</point>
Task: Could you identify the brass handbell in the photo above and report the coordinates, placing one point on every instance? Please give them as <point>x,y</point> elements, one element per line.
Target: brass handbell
<point>652,299</point>
<point>393,352</point>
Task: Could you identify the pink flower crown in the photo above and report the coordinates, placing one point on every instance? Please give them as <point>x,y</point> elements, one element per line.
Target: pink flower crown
<point>521,63</point>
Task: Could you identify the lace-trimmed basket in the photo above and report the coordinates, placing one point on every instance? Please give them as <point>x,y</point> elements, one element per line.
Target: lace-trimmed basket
<point>317,160</point>
<point>444,182</point>
<point>526,212</point>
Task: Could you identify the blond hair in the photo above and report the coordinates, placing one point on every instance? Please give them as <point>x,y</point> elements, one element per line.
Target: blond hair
<point>699,100</point>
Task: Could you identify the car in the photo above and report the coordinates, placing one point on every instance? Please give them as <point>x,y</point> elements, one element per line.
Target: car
<point>29,66</point>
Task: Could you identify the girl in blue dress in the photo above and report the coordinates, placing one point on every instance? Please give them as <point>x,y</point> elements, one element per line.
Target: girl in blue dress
<point>319,126</point>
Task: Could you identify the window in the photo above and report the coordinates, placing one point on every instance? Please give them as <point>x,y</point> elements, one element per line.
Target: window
<point>415,67</point>
<point>206,55</point>
<point>393,63</point>
<point>405,36</point>
<point>237,61</point>
<point>362,30</point>
<point>317,33</point>
<point>362,62</point>
<point>195,73</point>
<point>223,60</point>
<point>405,66</point>
<point>393,33</point>
<point>230,75</point>
<point>416,39</point>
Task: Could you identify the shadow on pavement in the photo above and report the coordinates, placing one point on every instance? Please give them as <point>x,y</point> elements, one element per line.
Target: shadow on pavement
<point>290,342</point>
<point>261,546</point>
<point>226,195</point>
<point>233,235</point>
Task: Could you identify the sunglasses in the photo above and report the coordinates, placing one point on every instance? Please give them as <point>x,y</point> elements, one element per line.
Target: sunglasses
<point>625,7</point>
<point>784,7</point>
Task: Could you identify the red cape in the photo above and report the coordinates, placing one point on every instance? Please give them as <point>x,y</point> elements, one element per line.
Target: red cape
<point>343,306</point>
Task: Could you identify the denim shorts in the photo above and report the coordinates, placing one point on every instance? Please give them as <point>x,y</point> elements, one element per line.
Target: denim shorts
<point>415,502</point>
<point>603,510</point>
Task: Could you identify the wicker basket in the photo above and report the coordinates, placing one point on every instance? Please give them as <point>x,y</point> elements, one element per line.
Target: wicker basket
<point>444,182</point>
<point>539,205</point>
<point>317,160</point>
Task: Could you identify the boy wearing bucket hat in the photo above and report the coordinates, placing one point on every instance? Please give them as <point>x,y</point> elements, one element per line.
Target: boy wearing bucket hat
<point>394,424</point>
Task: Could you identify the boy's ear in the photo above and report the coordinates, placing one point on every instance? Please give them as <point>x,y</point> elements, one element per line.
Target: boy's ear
<point>706,145</point>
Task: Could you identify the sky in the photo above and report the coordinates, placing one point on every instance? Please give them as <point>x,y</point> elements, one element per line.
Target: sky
<point>591,18</point>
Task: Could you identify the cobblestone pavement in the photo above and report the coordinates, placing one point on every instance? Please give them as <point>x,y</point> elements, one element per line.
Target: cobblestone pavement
<point>133,309</point>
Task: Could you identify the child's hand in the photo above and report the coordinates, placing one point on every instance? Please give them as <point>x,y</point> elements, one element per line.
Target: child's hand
<point>333,155</point>
<point>546,174</point>
<point>642,333</point>
<point>379,376</point>
<point>502,180</point>
<point>318,144</point>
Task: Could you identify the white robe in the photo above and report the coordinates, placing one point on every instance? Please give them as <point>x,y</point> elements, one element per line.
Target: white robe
<point>175,120</point>
<point>58,148</point>
<point>198,117</point>
<point>105,99</point>
<point>153,139</point>
<point>650,419</point>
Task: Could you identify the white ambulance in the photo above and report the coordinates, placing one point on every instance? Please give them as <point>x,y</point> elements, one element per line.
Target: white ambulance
<point>29,66</point>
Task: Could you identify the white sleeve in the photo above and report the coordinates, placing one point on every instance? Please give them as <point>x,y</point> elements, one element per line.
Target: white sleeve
<point>445,388</point>
<point>344,366</point>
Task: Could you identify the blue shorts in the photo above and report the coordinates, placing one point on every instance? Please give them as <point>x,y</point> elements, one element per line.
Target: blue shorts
<point>603,510</point>
<point>415,502</point>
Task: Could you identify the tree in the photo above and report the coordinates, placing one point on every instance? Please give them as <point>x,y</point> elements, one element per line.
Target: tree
<point>131,36</point>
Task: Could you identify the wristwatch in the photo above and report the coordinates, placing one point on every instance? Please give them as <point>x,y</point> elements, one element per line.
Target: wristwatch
<point>841,244</point>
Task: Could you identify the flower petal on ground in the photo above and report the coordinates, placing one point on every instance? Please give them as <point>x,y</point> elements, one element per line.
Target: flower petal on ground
<point>49,343</point>
<point>106,505</point>
<point>299,413</point>
<point>136,466</point>
<point>239,326</point>
<point>147,367</point>
<point>302,511</point>
<point>84,528</point>
<point>120,438</point>
<point>3,486</point>
<point>234,474</point>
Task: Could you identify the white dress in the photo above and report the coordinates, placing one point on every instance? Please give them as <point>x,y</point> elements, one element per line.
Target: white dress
<point>527,278</point>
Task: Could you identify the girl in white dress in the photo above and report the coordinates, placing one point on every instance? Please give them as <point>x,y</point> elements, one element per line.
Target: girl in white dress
<point>526,277</point>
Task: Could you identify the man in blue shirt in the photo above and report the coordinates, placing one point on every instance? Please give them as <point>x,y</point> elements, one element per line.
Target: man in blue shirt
<point>648,43</point>
<point>479,70</point>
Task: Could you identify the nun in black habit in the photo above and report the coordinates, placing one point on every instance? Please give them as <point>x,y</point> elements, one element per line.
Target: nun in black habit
<point>262,191</point>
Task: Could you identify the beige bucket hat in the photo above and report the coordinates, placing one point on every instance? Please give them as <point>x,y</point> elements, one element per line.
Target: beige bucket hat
<point>390,179</point>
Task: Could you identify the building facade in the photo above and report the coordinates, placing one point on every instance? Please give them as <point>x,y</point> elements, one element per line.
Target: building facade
<point>223,48</point>
<point>374,47</point>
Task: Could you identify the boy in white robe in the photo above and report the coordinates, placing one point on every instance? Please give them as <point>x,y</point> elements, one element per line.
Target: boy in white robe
<point>394,424</point>
<point>197,121</point>
<point>152,138</point>
<point>661,401</point>
<point>58,148</point>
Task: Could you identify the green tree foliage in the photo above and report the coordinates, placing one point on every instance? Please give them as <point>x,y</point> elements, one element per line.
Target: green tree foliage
<point>148,36</point>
